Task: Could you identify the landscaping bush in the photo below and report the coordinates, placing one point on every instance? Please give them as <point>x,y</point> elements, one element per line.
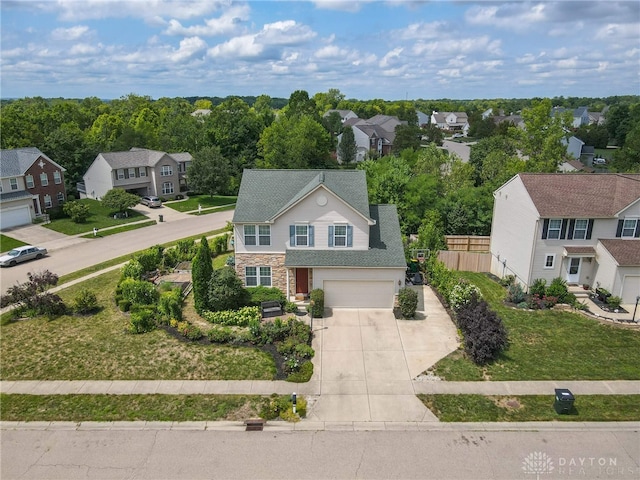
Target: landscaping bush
<point>132,269</point>
<point>317,297</point>
<point>538,287</point>
<point>515,293</point>
<point>303,374</point>
<point>170,304</point>
<point>78,212</point>
<point>189,331</point>
<point>484,334</point>
<point>558,288</point>
<point>32,299</point>
<point>221,335</point>
<point>142,320</point>
<point>462,293</point>
<point>201,273</point>
<point>220,243</point>
<point>226,291</point>
<point>408,302</point>
<point>290,307</point>
<point>614,302</point>
<point>507,280</point>
<point>85,301</point>
<point>440,277</point>
<point>242,317</point>
<point>138,292</point>
<point>151,258</point>
<point>265,294</point>
<point>186,250</point>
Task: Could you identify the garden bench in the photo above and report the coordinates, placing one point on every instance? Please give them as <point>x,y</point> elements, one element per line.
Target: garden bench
<point>271,308</point>
<point>254,424</point>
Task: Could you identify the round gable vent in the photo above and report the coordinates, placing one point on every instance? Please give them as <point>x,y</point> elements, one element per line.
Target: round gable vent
<point>321,200</point>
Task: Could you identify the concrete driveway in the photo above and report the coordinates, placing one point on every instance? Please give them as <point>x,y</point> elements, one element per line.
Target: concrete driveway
<point>366,362</point>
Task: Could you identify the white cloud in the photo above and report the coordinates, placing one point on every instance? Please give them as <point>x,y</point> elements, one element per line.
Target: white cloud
<point>391,58</point>
<point>466,46</point>
<point>85,49</point>
<point>508,16</point>
<point>242,47</point>
<point>287,32</point>
<point>72,33</point>
<point>422,30</point>
<point>351,6</point>
<point>189,47</point>
<point>228,22</point>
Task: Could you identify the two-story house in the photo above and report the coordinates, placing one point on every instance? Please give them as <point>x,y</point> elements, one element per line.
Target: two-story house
<point>584,228</point>
<point>300,230</point>
<point>139,171</point>
<point>374,136</point>
<point>30,183</point>
<point>451,121</point>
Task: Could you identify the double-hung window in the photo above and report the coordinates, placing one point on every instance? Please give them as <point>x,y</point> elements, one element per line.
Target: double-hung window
<point>550,260</point>
<point>132,172</point>
<point>29,181</point>
<point>555,226</point>
<point>580,229</point>
<point>57,178</point>
<point>14,183</point>
<point>264,234</point>
<point>142,172</point>
<point>301,235</point>
<point>47,201</point>
<point>250,235</point>
<point>60,198</point>
<point>167,188</point>
<point>257,236</point>
<point>254,276</point>
<point>166,171</point>
<point>340,235</point>
<point>629,227</point>
<point>120,173</point>
<point>44,179</point>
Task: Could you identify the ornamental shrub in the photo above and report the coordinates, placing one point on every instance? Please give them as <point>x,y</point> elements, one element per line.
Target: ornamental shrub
<point>462,293</point>
<point>221,335</point>
<point>142,320</point>
<point>515,293</point>
<point>265,294</point>
<point>243,317</point>
<point>138,292</point>
<point>408,302</point>
<point>85,301</point>
<point>558,288</point>
<point>538,287</point>
<point>484,334</point>
<point>441,278</point>
<point>151,258</point>
<point>132,269</point>
<point>226,291</point>
<point>317,296</point>
<point>170,304</point>
<point>303,374</point>
<point>201,273</point>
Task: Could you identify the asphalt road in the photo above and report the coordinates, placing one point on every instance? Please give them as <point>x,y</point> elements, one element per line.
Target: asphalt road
<point>446,454</point>
<point>72,254</point>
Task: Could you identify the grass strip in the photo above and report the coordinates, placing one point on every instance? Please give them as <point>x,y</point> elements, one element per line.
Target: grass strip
<point>531,408</point>
<point>206,201</point>
<point>214,210</point>
<point>125,228</point>
<point>111,408</point>
<point>8,243</point>
<point>548,345</point>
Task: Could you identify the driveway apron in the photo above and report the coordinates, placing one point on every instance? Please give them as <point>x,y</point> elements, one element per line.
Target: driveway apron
<point>368,361</point>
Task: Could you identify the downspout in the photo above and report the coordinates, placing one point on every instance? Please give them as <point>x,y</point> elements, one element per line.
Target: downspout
<point>533,252</point>
<point>288,290</point>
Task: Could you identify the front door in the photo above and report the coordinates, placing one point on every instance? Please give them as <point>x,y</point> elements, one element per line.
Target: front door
<point>573,274</point>
<point>302,280</point>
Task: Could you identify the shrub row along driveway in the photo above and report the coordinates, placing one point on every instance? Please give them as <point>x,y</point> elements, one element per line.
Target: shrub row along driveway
<point>366,362</point>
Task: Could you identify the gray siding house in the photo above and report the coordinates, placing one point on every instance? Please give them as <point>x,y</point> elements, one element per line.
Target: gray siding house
<point>139,171</point>
<point>584,228</point>
<point>299,230</point>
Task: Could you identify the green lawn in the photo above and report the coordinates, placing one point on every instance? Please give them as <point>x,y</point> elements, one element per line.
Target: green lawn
<point>124,228</point>
<point>100,217</point>
<point>8,243</point>
<point>97,347</point>
<point>531,408</point>
<point>110,408</point>
<point>549,345</point>
<point>206,201</point>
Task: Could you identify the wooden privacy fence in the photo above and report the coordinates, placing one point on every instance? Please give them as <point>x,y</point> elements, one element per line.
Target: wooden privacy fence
<point>467,243</point>
<point>466,261</point>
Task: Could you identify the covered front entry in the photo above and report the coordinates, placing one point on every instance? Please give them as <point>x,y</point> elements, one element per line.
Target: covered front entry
<point>358,293</point>
<point>573,270</point>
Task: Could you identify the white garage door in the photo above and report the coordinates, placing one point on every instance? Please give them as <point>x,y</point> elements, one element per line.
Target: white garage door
<point>630,289</point>
<point>358,293</point>
<point>15,217</point>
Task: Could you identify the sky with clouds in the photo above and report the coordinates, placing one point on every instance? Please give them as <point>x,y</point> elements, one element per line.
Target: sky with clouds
<point>367,49</point>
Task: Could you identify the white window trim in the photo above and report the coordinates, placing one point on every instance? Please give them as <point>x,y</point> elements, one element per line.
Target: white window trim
<point>633,229</point>
<point>576,229</point>
<point>60,197</point>
<point>169,190</point>
<point>47,201</point>
<point>166,171</point>
<point>14,183</point>
<point>132,172</point>
<point>550,229</point>
<point>553,261</point>
<point>142,172</point>
<point>262,236</point>
<point>253,235</point>
<point>336,236</point>
<point>258,276</point>
<point>305,235</point>
<point>57,177</point>
<point>29,181</point>
<point>120,174</point>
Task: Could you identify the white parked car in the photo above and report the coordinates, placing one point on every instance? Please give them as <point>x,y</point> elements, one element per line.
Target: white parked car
<point>21,254</point>
<point>151,201</point>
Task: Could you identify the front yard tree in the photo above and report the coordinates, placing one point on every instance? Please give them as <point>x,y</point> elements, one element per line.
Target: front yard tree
<point>79,212</point>
<point>210,172</point>
<point>118,200</point>
<point>201,273</point>
<point>347,149</point>
<point>226,291</point>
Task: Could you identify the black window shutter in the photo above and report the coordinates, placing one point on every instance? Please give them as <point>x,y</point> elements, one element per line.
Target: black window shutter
<point>545,228</point>
<point>572,224</point>
<point>563,229</point>
<point>589,228</point>
<point>619,229</point>
<point>637,234</point>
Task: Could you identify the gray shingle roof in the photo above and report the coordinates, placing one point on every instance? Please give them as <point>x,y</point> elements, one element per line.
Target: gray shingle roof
<point>385,242</point>
<point>15,162</point>
<point>567,195</point>
<point>264,194</point>
<point>138,157</point>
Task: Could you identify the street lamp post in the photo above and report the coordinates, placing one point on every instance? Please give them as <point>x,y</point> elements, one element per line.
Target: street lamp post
<point>311,304</point>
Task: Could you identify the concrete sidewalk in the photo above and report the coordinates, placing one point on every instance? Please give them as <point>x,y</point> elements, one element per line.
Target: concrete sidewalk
<point>266,387</point>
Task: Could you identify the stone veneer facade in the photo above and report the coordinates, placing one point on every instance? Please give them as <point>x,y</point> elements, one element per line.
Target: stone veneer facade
<point>275,261</point>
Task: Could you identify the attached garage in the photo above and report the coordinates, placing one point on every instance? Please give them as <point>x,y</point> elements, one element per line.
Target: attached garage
<point>15,217</point>
<point>358,293</point>
<point>630,289</point>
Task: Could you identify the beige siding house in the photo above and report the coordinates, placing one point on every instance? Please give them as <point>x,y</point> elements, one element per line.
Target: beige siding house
<point>299,230</point>
<point>582,228</point>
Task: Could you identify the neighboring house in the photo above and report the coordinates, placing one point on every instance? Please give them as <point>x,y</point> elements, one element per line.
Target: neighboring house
<point>300,230</point>
<point>30,184</point>
<point>575,166</point>
<point>577,150</point>
<point>139,171</point>
<point>584,228</point>
<point>580,115</point>
<point>374,136</point>
<point>344,114</point>
<point>451,121</point>
<point>423,119</point>
<point>515,120</point>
